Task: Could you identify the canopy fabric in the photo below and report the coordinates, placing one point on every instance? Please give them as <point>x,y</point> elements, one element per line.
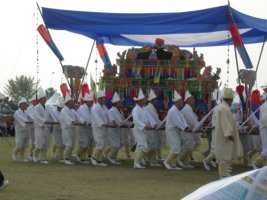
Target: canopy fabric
<point>208,27</point>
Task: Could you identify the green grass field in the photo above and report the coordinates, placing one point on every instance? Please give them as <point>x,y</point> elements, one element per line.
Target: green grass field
<point>57,181</point>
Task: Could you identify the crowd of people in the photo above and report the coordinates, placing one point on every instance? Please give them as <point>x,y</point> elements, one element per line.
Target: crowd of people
<point>103,132</point>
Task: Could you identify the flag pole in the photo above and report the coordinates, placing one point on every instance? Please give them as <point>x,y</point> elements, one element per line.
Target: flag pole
<point>39,9</point>
<point>86,67</point>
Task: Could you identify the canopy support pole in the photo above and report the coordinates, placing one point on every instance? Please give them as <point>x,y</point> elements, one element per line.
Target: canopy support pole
<point>237,66</point>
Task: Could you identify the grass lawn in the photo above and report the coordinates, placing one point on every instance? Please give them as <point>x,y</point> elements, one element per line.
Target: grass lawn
<point>85,182</point>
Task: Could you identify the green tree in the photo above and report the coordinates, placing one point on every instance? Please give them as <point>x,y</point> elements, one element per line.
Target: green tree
<point>49,92</point>
<point>21,86</point>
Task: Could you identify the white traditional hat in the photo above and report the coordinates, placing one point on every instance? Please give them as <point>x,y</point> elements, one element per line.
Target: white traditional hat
<point>151,95</point>
<point>187,95</point>
<point>176,96</point>
<point>115,97</point>
<point>60,102</point>
<point>228,93</point>
<point>34,97</point>
<point>22,100</point>
<point>88,97</point>
<point>67,98</point>
<point>140,95</point>
<point>100,94</point>
<point>41,93</point>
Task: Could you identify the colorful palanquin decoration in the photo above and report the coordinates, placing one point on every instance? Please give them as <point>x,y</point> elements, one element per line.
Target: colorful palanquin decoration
<point>163,69</point>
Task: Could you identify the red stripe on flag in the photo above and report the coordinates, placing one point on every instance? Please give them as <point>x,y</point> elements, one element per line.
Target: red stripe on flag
<point>235,35</point>
<point>44,33</point>
<point>101,49</point>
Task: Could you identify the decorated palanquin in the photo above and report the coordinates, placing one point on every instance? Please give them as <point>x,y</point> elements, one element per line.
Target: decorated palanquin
<point>163,70</point>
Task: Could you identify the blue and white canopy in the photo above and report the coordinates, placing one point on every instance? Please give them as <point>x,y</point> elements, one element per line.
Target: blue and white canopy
<point>208,27</point>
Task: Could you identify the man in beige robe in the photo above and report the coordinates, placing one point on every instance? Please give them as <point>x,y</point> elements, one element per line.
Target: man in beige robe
<point>228,145</point>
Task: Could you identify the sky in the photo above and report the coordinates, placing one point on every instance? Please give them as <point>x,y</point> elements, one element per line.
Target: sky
<point>19,41</point>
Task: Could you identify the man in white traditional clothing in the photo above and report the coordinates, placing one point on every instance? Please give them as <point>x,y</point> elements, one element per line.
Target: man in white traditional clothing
<point>175,125</point>
<point>143,122</point>
<point>228,144</point>
<point>262,159</point>
<point>30,113</point>
<point>154,136</point>
<point>85,135</point>
<point>41,130</point>
<point>114,134</point>
<point>21,130</point>
<point>68,120</point>
<point>192,141</point>
<point>58,146</point>
<point>100,123</point>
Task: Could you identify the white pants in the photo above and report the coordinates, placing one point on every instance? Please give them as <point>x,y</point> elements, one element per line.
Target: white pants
<point>173,137</point>
<point>85,136</point>
<point>42,137</point>
<point>153,139</point>
<point>69,136</point>
<point>114,137</point>
<point>31,134</point>
<point>187,140</point>
<point>57,132</point>
<point>22,139</point>
<point>141,140</point>
<point>127,136</point>
<point>100,137</point>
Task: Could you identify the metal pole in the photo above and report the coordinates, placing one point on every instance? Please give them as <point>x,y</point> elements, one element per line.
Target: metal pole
<point>87,64</point>
<point>237,66</point>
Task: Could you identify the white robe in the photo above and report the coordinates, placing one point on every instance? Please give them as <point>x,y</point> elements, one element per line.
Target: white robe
<point>67,116</point>
<point>226,150</point>
<point>114,134</point>
<point>175,125</point>
<point>30,113</point>
<point>100,118</point>
<point>191,119</point>
<point>21,129</point>
<point>141,119</point>
<point>57,131</point>
<point>154,136</point>
<point>85,134</point>
<point>41,131</point>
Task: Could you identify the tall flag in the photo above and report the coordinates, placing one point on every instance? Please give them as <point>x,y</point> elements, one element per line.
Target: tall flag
<point>238,42</point>
<point>47,38</point>
<point>85,89</point>
<point>92,84</point>
<point>104,55</point>
<point>64,89</point>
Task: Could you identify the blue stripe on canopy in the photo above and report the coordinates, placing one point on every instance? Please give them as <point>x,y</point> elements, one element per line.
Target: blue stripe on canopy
<point>208,27</point>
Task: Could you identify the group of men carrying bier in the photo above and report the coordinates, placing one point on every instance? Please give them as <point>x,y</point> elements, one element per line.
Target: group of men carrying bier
<point>101,131</point>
